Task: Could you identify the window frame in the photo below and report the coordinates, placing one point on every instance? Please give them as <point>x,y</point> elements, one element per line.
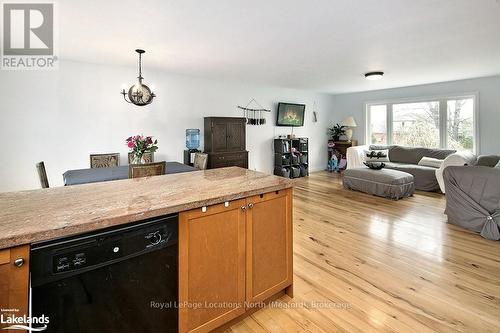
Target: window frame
<point>443,116</point>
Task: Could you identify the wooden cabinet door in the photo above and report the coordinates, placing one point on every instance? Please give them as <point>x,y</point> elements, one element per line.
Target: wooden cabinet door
<point>14,281</point>
<point>269,244</point>
<point>211,266</point>
<point>219,136</point>
<point>236,136</point>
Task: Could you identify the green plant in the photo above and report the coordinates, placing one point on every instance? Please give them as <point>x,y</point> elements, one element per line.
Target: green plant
<point>336,131</point>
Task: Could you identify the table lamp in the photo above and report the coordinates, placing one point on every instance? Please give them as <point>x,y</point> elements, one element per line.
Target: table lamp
<point>349,122</point>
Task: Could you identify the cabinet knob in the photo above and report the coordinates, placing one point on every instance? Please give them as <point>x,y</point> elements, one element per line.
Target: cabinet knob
<point>19,262</point>
<point>243,208</point>
<point>250,205</point>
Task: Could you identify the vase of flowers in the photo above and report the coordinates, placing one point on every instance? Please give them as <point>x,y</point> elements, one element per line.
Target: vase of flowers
<point>139,145</point>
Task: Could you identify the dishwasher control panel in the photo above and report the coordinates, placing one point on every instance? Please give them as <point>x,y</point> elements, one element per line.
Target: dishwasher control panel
<point>58,258</point>
<point>112,247</point>
<point>66,262</point>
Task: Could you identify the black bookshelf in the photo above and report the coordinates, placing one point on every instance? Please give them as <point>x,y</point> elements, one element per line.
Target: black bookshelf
<point>291,157</point>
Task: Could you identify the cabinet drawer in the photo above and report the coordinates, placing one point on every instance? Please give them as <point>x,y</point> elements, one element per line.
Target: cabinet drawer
<point>220,160</point>
<point>234,156</point>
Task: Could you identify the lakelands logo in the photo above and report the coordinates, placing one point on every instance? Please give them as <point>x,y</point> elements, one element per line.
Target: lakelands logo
<point>28,36</point>
<point>24,322</point>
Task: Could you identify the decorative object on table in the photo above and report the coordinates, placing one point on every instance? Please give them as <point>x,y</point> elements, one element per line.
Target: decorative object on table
<point>375,165</point>
<point>225,142</point>
<point>290,114</point>
<point>139,94</point>
<point>139,146</point>
<point>146,157</point>
<point>42,174</point>
<point>192,145</point>
<point>254,116</point>
<point>336,131</point>
<point>291,157</point>
<point>109,160</point>
<point>377,155</point>
<point>349,123</point>
<point>146,170</point>
<point>200,161</point>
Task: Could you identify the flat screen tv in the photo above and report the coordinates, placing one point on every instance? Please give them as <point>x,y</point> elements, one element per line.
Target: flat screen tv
<point>290,114</point>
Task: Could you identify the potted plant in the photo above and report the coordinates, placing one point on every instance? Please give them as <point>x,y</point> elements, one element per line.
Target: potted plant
<point>336,131</point>
<point>139,145</point>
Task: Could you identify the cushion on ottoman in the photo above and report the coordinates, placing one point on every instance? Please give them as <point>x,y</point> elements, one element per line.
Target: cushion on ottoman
<point>385,183</point>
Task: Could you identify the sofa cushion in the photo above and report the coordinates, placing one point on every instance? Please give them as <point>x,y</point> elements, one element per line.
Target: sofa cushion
<point>430,162</point>
<point>411,155</point>
<point>487,160</point>
<point>425,177</point>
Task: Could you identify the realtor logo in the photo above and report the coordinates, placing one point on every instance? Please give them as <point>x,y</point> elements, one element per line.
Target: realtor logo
<point>28,36</point>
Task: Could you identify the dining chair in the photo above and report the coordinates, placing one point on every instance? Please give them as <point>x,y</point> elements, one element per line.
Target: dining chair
<point>148,157</point>
<point>200,161</point>
<point>146,170</point>
<point>42,174</point>
<point>108,160</point>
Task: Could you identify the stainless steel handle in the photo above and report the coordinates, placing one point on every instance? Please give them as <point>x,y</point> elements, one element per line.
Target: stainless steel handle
<point>19,262</point>
<point>250,205</point>
<point>243,208</point>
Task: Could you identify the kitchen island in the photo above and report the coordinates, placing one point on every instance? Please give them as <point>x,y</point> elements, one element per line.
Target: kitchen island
<point>232,222</point>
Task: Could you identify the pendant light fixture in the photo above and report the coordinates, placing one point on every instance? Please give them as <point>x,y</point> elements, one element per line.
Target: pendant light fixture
<point>139,94</point>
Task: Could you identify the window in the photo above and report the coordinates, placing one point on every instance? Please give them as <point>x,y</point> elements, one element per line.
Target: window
<point>460,124</point>
<point>416,124</point>
<point>378,124</point>
<point>447,122</point>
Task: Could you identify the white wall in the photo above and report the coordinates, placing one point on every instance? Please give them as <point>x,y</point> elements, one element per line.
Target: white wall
<point>489,106</point>
<point>62,116</point>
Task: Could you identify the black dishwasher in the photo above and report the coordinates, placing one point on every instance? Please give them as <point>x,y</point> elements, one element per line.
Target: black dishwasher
<point>118,280</point>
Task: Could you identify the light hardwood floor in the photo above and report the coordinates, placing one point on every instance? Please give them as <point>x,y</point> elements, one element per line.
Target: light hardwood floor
<point>367,264</point>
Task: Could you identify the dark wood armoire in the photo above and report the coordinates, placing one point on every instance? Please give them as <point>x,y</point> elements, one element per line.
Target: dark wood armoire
<point>225,142</point>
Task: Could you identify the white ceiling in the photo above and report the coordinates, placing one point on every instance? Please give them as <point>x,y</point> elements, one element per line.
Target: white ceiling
<point>321,45</point>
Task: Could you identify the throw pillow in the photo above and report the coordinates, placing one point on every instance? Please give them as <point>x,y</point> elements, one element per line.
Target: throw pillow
<point>487,160</point>
<point>430,162</point>
<point>377,155</point>
<point>498,165</point>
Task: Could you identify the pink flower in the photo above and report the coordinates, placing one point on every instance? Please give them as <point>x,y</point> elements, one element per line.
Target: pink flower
<point>130,144</point>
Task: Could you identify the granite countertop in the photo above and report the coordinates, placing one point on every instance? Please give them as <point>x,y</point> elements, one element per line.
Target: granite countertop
<point>31,216</point>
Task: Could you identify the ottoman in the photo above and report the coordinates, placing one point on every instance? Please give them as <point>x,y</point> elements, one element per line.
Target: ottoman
<point>387,183</point>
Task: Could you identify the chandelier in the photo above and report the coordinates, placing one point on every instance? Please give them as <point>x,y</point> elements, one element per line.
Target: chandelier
<point>139,94</point>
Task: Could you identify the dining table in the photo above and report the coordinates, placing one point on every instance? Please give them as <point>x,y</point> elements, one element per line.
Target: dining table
<point>95,175</point>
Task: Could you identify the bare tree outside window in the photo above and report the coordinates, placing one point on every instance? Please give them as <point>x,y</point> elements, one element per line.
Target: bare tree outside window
<point>416,124</point>
<point>460,126</point>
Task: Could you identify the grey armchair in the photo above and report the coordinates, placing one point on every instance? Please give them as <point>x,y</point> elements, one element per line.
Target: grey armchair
<point>473,199</point>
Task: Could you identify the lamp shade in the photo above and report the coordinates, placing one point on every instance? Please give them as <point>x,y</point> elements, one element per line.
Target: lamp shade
<point>349,122</point>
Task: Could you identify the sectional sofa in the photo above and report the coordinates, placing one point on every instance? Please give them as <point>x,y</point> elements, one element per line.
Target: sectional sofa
<point>426,178</point>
